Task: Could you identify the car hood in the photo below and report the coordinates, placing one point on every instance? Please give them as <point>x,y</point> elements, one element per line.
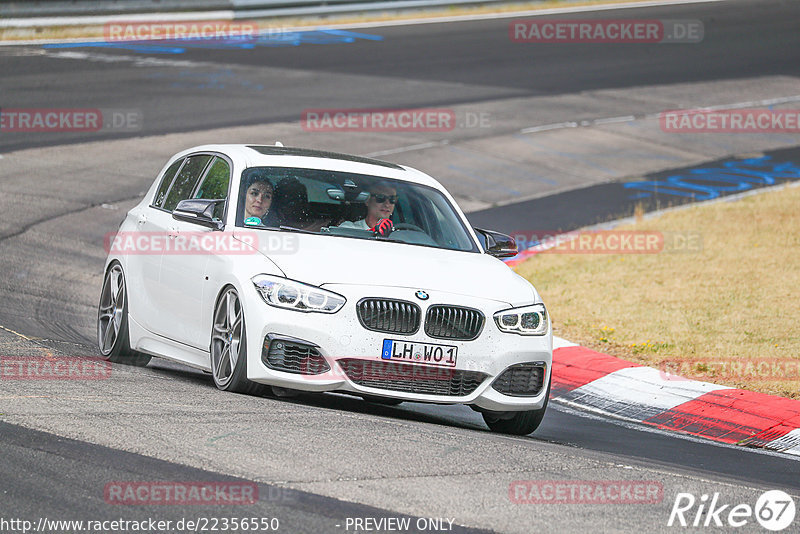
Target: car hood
<point>321,260</point>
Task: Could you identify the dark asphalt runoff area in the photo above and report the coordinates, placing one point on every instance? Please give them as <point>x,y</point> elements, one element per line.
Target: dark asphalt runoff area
<point>614,200</point>
<point>341,448</point>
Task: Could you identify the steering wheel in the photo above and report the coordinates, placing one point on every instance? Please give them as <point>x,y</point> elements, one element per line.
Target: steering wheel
<point>408,226</point>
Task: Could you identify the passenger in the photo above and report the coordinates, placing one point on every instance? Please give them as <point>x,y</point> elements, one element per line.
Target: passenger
<point>380,207</point>
<point>291,203</point>
<point>258,199</point>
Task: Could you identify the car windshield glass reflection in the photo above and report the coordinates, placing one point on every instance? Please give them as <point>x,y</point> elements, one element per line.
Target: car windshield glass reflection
<point>349,205</point>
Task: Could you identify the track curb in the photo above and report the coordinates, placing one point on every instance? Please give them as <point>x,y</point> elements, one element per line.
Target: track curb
<point>589,380</point>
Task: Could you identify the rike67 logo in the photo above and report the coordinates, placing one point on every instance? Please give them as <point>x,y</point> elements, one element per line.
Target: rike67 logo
<point>774,510</point>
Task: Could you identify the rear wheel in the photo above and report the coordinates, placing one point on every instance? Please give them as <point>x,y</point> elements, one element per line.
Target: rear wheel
<point>229,346</point>
<point>516,423</point>
<point>112,321</point>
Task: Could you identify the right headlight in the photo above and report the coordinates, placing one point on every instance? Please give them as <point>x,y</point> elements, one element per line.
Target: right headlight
<point>294,295</point>
<point>526,320</point>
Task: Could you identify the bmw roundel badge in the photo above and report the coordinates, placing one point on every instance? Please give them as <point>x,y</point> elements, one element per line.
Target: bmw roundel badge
<point>421,295</point>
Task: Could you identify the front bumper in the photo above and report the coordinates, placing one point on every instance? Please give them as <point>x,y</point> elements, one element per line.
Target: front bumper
<point>347,347</point>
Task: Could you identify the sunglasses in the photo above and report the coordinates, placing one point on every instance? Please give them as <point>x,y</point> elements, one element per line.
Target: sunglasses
<point>380,199</point>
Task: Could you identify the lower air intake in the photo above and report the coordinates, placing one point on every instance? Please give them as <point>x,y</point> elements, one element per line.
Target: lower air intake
<point>521,380</point>
<point>426,380</point>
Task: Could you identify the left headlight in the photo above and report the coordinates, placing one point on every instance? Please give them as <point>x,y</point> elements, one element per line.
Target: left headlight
<point>293,295</point>
<point>526,320</point>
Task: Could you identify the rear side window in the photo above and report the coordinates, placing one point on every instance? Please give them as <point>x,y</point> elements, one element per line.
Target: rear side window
<point>186,180</point>
<point>166,181</point>
<point>215,184</point>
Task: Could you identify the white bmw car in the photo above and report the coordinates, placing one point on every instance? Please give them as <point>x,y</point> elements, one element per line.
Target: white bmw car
<point>315,271</point>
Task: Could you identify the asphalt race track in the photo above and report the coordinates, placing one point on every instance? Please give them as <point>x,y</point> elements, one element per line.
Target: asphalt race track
<point>545,156</point>
<point>410,66</point>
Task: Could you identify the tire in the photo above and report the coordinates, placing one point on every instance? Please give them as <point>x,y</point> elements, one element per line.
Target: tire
<point>229,346</point>
<point>516,423</point>
<point>112,321</point>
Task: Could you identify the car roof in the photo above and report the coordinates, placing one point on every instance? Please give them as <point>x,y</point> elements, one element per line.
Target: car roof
<point>269,150</point>
<point>254,155</point>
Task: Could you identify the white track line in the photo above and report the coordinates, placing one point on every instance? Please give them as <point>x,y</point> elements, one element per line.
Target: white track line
<point>612,120</point>
<point>546,127</point>
<point>406,148</point>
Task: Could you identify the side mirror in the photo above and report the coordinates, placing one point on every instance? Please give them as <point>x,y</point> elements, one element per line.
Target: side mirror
<point>199,211</point>
<point>497,244</point>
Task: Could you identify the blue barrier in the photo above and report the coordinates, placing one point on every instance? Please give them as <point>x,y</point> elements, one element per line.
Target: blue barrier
<point>733,176</point>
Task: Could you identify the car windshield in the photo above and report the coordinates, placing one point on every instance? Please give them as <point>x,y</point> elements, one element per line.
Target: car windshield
<point>348,205</point>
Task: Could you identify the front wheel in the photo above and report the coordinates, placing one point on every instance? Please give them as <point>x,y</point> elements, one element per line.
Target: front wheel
<point>112,321</point>
<point>229,346</point>
<point>516,423</point>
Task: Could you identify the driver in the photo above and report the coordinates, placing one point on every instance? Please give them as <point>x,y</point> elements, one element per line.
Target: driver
<point>257,198</point>
<point>380,206</point>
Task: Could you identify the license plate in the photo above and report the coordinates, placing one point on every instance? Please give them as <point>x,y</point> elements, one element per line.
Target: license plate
<point>427,353</point>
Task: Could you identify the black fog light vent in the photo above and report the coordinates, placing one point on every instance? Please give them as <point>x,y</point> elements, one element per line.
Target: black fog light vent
<point>293,356</point>
<point>521,380</point>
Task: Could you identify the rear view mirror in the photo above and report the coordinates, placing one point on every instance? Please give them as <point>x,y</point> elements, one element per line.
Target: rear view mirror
<point>334,193</point>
